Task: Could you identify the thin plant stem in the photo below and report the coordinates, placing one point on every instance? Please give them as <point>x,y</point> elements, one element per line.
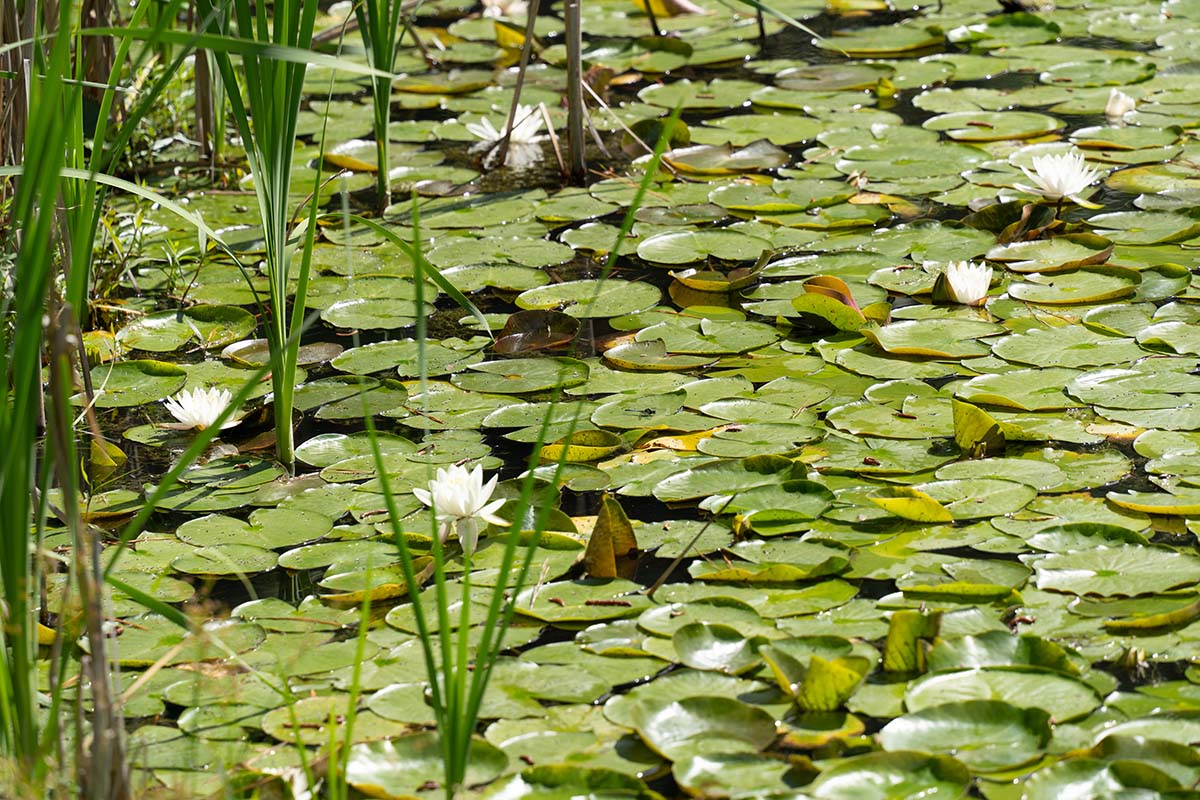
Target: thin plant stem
<point>576,110</point>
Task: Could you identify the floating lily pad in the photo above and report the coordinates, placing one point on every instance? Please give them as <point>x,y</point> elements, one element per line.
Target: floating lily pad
<point>1064,698</point>
<point>882,42</point>
<point>991,126</point>
<point>886,776</point>
<point>685,247</point>
<point>401,767</point>
<point>987,735</point>
<point>132,383</point>
<point>703,725</point>
<point>1093,285</point>
<point>520,375</point>
<point>211,326</point>
<point>592,298</point>
<point>1117,570</point>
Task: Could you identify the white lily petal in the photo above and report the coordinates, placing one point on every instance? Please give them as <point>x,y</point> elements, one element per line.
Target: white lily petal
<point>1059,176</point>
<point>488,513</point>
<point>1119,104</point>
<point>524,144</point>
<point>468,534</point>
<point>968,283</point>
<point>200,408</point>
<point>459,498</point>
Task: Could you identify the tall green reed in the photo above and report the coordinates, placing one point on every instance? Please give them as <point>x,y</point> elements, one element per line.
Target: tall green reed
<point>381,31</point>
<point>266,118</point>
<point>100,151</point>
<point>26,286</point>
<point>56,210</point>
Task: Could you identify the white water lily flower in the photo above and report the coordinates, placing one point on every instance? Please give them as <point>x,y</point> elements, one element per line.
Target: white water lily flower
<point>1119,104</point>
<point>505,8</point>
<point>968,283</point>
<point>1059,176</point>
<point>524,146</point>
<point>460,500</point>
<point>199,409</point>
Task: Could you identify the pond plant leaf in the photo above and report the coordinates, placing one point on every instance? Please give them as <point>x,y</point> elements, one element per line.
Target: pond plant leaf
<point>910,635</point>
<point>814,682</point>
<point>582,446</point>
<point>538,329</point>
<point>911,503</point>
<point>976,432</point>
<point>703,725</point>
<point>702,645</point>
<point>612,545</point>
<point>399,768</point>
<point>892,775</point>
<point>563,781</point>
<point>829,299</point>
<point>986,735</point>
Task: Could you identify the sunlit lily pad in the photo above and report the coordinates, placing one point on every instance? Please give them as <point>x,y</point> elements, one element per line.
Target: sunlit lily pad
<point>1059,253</point>
<point>211,326</point>
<point>1069,346</point>
<point>400,767</point>
<point>945,338</point>
<point>1145,227</point>
<point>888,776</point>
<point>1093,285</point>
<point>592,298</point>
<point>230,559</point>
<point>685,247</point>
<point>582,601</point>
<point>1023,389</point>
<point>726,159</point>
<point>990,126</point>
<point>703,725</point>
<point>132,383</point>
<point>1064,698</point>
<point>520,375</point>
<point>1117,570</point>
<point>882,42</point>
<point>986,735</point>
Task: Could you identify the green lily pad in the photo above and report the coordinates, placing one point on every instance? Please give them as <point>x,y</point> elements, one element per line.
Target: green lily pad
<point>1071,346</point>
<point>703,725</point>
<point>521,375</point>
<point>874,42</point>
<point>1088,777</point>
<point>938,338</point>
<point>1022,389</point>
<point>1062,697</point>
<point>685,247</point>
<point>132,383</point>
<point>563,782</point>
<point>1145,227</point>
<point>891,776</point>
<point>725,159</point>
<point>991,126</point>
<point>225,560</point>
<point>986,735</point>
<point>1094,285</point>
<point>588,299</point>
<point>1060,253</point>
<point>1117,570</point>
<point>210,326</point>
<point>702,645</point>
<point>402,767</point>
<point>269,529</point>
<point>582,601</point>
